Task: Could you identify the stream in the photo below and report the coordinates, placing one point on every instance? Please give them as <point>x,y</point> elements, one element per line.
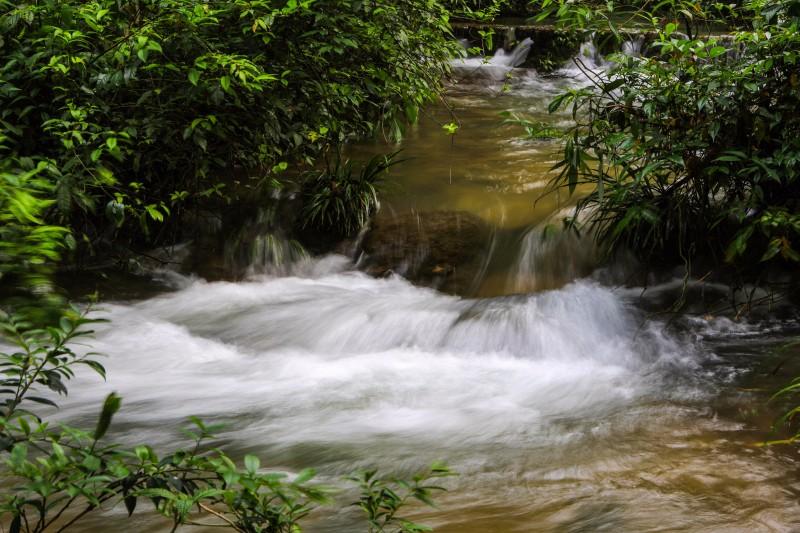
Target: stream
<point>565,401</point>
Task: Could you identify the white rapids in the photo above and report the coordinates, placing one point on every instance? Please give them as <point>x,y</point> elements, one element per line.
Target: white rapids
<point>540,401</point>
<point>342,357</point>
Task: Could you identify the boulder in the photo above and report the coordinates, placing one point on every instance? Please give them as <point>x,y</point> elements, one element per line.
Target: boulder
<point>442,249</point>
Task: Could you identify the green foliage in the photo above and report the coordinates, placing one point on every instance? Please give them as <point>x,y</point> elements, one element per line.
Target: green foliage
<point>340,199</point>
<point>132,112</point>
<point>381,499</point>
<point>44,359</point>
<point>694,152</point>
<point>29,247</point>
<point>476,10</point>
<point>553,49</point>
<point>451,128</point>
<point>534,129</point>
<point>789,392</point>
<point>618,18</point>
<point>787,422</point>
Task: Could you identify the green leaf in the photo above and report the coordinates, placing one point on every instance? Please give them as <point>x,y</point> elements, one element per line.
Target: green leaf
<point>94,365</point>
<point>110,408</point>
<point>130,504</point>
<point>717,51</point>
<point>156,493</point>
<point>305,475</point>
<point>252,463</point>
<point>38,399</point>
<point>412,112</point>
<point>154,213</point>
<point>739,244</point>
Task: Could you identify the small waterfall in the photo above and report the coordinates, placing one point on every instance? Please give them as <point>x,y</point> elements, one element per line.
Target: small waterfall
<point>633,47</point>
<point>593,59</point>
<point>590,55</point>
<point>496,67</point>
<point>517,56</point>
<point>272,250</point>
<point>261,246</point>
<point>550,258</point>
<point>345,358</point>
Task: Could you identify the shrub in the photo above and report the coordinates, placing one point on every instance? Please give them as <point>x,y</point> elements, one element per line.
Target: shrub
<point>139,110</point>
<point>694,154</point>
<point>342,200</point>
<point>29,248</point>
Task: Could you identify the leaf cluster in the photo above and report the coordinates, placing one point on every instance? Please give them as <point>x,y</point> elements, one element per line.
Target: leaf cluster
<point>134,112</point>
<point>694,152</point>
<point>341,199</point>
<point>382,498</point>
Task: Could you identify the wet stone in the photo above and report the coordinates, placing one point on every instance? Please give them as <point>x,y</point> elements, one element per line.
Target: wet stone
<point>442,249</point>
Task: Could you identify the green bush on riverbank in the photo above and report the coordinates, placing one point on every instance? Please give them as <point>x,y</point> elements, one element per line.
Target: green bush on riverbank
<point>693,155</point>
<point>134,112</point>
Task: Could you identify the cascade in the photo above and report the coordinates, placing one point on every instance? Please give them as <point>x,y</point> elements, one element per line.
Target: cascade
<point>550,258</point>
<point>633,47</point>
<point>495,67</point>
<point>262,246</point>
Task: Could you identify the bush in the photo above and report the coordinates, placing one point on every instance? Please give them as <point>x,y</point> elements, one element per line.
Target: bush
<point>694,154</point>
<point>340,200</point>
<point>477,10</point>
<point>139,110</point>
<point>29,248</point>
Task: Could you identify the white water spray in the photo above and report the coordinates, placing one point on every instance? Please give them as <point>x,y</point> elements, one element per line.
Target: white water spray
<point>343,358</point>
<point>495,67</point>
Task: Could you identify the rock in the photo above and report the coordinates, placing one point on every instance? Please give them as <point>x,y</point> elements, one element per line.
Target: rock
<point>443,249</point>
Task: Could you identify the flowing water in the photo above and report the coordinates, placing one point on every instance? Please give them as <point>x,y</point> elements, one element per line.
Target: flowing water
<point>571,409</point>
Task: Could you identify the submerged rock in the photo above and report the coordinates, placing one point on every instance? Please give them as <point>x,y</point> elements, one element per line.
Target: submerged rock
<point>443,249</point>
